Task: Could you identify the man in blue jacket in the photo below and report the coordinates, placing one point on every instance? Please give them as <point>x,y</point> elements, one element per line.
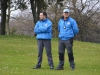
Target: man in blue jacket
<point>67,28</point>
<point>43,29</point>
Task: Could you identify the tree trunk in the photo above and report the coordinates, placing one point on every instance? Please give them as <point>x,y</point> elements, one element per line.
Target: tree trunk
<point>37,6</point>
<point>34,7</point>
<point>7,20</point>
<point>3,16</point>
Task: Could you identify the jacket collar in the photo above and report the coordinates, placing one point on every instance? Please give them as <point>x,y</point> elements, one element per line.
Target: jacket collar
<point>63,18</point>
<point>44,20</point>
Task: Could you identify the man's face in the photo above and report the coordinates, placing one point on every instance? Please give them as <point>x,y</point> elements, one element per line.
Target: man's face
<point>65,14</point>
<point>41,16</point>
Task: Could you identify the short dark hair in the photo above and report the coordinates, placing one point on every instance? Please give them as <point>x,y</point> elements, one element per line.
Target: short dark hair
<point>44,13</point>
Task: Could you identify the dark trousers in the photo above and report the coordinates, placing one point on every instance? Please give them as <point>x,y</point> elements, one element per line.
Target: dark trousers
<point>66,44</point>
<point>47,44</point>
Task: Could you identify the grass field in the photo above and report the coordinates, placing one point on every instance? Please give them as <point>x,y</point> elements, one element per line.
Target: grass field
<point>18,54</point>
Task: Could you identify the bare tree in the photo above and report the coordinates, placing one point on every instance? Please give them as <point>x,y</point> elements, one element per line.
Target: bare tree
<point>54,11</point>
<point>23,23</point>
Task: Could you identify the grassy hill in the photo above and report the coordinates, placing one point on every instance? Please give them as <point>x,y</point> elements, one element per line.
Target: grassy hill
<point>18,54</point>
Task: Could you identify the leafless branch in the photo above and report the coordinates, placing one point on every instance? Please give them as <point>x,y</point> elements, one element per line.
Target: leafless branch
<point>92,7</point>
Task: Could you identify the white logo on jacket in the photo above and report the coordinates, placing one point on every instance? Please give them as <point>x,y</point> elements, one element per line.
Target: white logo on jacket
<point>45,25</point>
<point>68,23</point>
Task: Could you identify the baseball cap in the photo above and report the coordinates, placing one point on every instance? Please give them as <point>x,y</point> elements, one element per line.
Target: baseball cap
<point>66,10</point>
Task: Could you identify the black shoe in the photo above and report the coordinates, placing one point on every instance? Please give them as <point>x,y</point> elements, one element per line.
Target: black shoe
<point>59,68</point>
<point>37,67</point>
<point>73,68</point>
<point>51,67</point>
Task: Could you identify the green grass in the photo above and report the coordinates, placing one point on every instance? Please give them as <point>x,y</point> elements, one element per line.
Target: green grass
<point>18,54</point>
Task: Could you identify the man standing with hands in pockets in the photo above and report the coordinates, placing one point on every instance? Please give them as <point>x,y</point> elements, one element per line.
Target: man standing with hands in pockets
<point>67,28</point>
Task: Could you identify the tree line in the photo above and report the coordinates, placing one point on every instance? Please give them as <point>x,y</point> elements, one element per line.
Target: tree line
<point>86,13</point>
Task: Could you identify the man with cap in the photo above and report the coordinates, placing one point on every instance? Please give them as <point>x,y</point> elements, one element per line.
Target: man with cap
<point>43,29</point>
<point>68,29</point>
